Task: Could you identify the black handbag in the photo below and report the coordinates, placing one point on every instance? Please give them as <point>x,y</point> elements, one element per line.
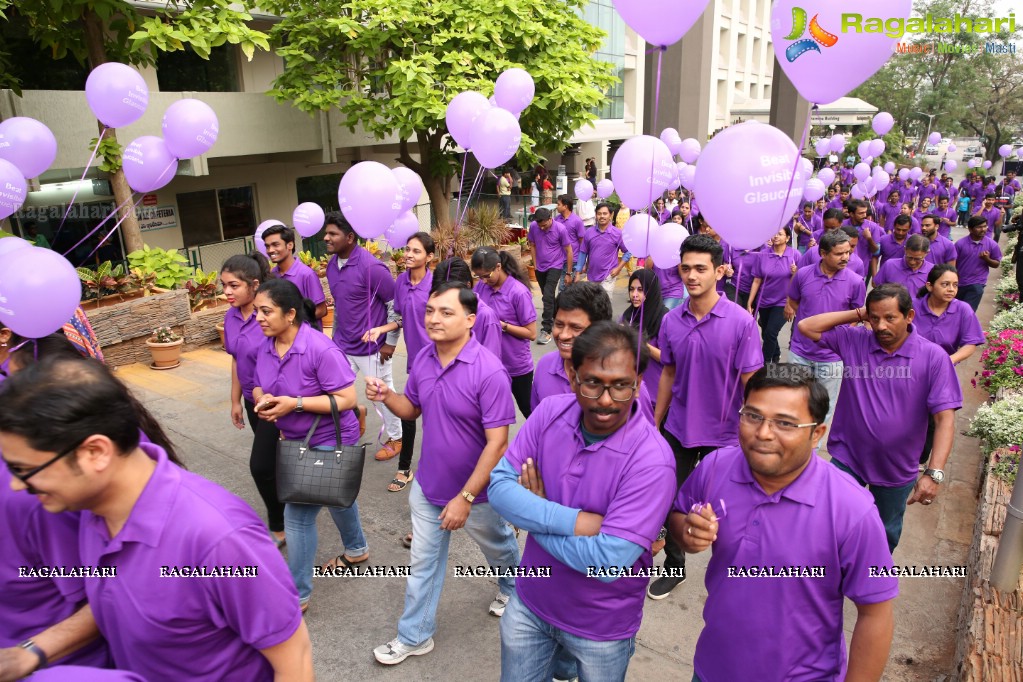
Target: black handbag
<point>308,476</point>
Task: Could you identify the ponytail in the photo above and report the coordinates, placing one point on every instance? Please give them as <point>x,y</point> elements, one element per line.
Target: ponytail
<point>286,296</point>
<point>248,267</point>
<point>488,258</point>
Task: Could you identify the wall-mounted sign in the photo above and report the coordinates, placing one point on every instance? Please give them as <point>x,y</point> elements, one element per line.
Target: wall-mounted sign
<point>156,217</point>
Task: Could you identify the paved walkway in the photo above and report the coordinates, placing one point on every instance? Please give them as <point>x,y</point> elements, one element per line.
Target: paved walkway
<point>349,617</point>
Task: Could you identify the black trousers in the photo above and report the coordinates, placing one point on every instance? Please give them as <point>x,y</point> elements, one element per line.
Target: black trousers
<point>263,466</point>
<point>408,444</point>
<point>686,460</point>
<point>772,320</point>
<point>522,386</point>
<point>548,281</point>
<point>925,456</point>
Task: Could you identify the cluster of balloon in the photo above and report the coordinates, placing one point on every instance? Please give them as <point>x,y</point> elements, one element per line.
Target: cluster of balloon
<point>801,28</point>
<point>39,288</point>
<point>27,150</point>
<point>378,201</point>
<point>490,128</point>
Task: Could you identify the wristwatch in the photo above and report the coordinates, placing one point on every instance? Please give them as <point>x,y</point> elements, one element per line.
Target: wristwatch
<point>298,405</point>
<point>469,497</point>
<point>937,475</point>
<point>32,647</point>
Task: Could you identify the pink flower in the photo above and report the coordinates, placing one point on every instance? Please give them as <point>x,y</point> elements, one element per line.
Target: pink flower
<point>1018,370</point>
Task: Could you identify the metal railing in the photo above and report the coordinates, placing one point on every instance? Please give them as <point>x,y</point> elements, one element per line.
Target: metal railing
<point>212,256</point>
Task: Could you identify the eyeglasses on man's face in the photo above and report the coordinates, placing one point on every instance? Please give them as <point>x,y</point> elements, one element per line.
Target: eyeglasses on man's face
<point>594,390</point>
<point>23,474</point>
<point>777,425</point>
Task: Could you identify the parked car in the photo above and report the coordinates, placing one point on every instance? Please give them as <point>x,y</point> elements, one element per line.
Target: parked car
<point>931,150</point>
<point>972,149</point>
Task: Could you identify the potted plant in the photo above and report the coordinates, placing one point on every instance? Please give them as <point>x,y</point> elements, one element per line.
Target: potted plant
<point>220,331</point>
<point>165,347</point>
<point>484,226</point>
<point>450,242</point>
<point>202,288</point>
<point>154,268</point>
<point>105,280</point>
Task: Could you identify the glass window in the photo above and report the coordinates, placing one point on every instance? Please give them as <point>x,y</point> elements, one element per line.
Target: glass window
<point>183,70</point>
<point>214,215</point>
<point>237,215</point>
<point>601,13</point>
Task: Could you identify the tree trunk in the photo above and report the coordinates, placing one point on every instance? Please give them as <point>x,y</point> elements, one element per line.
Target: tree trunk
<point>122,192</point>
<point>436,186</point>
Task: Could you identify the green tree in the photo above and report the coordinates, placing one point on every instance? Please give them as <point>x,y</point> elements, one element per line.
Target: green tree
<point>392,67</point>
<point>97,31</point>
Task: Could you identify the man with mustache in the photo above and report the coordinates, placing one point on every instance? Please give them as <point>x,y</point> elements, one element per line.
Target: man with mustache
<point>894,379</point>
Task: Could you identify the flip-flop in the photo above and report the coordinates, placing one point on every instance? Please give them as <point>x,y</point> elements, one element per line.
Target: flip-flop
<point>341,560</point>
<point>407,473</point>
<point>407,541</point>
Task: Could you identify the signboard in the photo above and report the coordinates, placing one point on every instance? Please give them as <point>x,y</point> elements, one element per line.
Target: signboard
<point>156,217</point>
<point>839,119</point>
<point>149,200</point>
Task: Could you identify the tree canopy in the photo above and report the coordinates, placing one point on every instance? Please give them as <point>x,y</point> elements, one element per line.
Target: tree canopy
<point>392,67</point>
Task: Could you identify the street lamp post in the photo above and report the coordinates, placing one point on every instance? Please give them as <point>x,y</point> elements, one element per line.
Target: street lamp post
<point>930,120</point>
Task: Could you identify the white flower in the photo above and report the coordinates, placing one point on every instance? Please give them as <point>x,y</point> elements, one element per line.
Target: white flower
<point>999,423</point>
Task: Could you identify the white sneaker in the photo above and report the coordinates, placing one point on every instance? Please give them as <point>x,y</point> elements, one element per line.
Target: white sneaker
<point>498,605</point>
<point>396,651</point>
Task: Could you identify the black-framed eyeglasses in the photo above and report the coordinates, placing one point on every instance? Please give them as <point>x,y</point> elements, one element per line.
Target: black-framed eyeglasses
<point>777,425</point>
<point>593,390</point>
<point>23,476</point>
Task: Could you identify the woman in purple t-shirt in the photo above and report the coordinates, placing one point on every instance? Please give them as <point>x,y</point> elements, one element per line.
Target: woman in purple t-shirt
<point>644,314</point>
<point>772,271</point>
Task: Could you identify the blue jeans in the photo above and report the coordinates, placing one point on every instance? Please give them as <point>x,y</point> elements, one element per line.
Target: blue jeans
<point>300,531</point>
<point>890,502</point>
<point>971,294</point>
<point>529,646</point>
<point>828,373</point>
<point>429,560</point>
<point>672,303</point>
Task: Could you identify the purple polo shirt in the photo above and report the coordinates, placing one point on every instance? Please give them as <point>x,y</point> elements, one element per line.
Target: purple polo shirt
<point>742,263</point>
<point>307,281</point>
<point>880,420</point>
<point>486,329</point>
<point>835,203</point>
<point>886,215</point>
<point>945,230</point>
<point>897,272</point>
<point>775,271</point>
<point>816,293</point>
<point>672,285</point>
<point>410,302</point>
<point>183,628</point>
<point>458,402</point>
<point>602,251</point>
<point>574,228</point>
<point>972,269</point>
<point>361,291</point>
<point>35,538</point>
<point>942,250</point>
<point>958,326</point>
<point>862,248</point>
<point>839,534</point>
<point>907,195</point>
<point>550,245</point>
<point>949,192</point>
<point>815,224</point>
<point>928,191</point>
<point>242,339</point>
<point>891,249</point>
<point>313,366</point>
<point>991,216</point>
<point>726,259</point>
<point>550,379</point>
<point>629,478</point>
<point>78,673</point>
<point>709,356</point>
<point>813,256</point>
<point>513,303</point>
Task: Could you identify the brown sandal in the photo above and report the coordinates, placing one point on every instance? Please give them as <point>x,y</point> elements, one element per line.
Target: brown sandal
<point>343,561</point>
<point>397,485</point>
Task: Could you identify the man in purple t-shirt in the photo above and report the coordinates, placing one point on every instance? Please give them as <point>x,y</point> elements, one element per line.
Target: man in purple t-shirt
<point>870,236</point>
<point>598,255</point>
<point>910,270</point>
<point>552,250</point>
<point>596,483</point>
<point>976,253</point>
<point>893,244</point>
<point>280,249</point>
<point>895,380</point>
<point>947,217</point>
<point>463,393</point>
<point>575,228</point>
<point>942,251</point>
<point>773,484</point>
<point>992,214</point>
<point>888,212</point>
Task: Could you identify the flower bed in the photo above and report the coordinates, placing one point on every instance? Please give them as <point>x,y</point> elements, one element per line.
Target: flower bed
<point>1001,362</point>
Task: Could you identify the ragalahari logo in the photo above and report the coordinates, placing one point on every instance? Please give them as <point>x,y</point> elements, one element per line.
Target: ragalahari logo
<point>801,47</point>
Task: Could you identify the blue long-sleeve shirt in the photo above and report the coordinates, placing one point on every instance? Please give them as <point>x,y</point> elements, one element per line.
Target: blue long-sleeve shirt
<point>552,525</point>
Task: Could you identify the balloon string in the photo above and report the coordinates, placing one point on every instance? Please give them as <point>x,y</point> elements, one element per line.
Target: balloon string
<point>114,228</point>
<point>74,196</point>
<point>103,222</point>
<point>650,202</point>
<point>461,179</point>
<point>465,209</point>
<point>799,159</point>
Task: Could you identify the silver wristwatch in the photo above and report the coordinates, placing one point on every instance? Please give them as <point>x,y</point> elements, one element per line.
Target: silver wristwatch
<point>298,404</point>
<point>937,475</point>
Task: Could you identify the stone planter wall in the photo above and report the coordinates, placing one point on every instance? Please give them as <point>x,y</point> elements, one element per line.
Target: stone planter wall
<point>122,329</point>
<point>989,645</point>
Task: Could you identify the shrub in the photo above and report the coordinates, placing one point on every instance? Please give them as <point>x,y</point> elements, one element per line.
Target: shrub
<point>999,424</point>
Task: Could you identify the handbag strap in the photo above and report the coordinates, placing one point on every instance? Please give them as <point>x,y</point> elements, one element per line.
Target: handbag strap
<point>337,420</point>
<point>312,430</point>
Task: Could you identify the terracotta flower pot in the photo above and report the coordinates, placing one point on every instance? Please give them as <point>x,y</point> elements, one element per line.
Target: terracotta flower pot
<point>165,355</point>
<point>328,320</point>
<point>220,330</point>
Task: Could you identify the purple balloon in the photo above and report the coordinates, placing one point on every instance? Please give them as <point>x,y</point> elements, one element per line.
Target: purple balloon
<point>951,147</point>
<point>257,239</point>
<point>934,138</point>
<point>583,190</point>
<point>861,171</point>
<point>672,139</point>
<point>638,233</point>
<point>889,167</point>
<point>370,198</point>
<point>882,179</point>
<point>649,18</point>
<point>631,166</point>
<point>761,158</point>
<point>39,290</point>
<point>903,174</point>
<point>117,94</point>
<point>837,143</point>
<point>1005,150</point>
<point>404,226</point>
<point>857,192</point>
<point>606,188</point>
<point>1019,152</point>
<point>847,58</point>
<point>665,243</point>
<point>972,163</point>
<point>190,128</point>
<point>823,146</point>
<point>308,219</point>
<point>863,149</point>
<point>13,188</point>
<point>410,185</point>
<point>814,189</point>
<point>687,177</point>
<point>460,114</point>
<point>689,150</point>
<point>950,166</point>
<point>28,144</point>
<point>496,137</point>
<point>882,123</point>
<point>8,244</point>
<point>147,163</point>
<point>807,166</point>
<point>916,173</point>
<point>876,147</point>
<point>988,164</point>
<point>826,175</point>
<point>514,90</point>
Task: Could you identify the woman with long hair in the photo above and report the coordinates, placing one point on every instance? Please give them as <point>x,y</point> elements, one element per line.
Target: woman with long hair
<point>240,277</point>
<point>504,287</point>
<point>487,328</point>
<point>297,368</point>
<point>645,313</point>
<point>772,270</point>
